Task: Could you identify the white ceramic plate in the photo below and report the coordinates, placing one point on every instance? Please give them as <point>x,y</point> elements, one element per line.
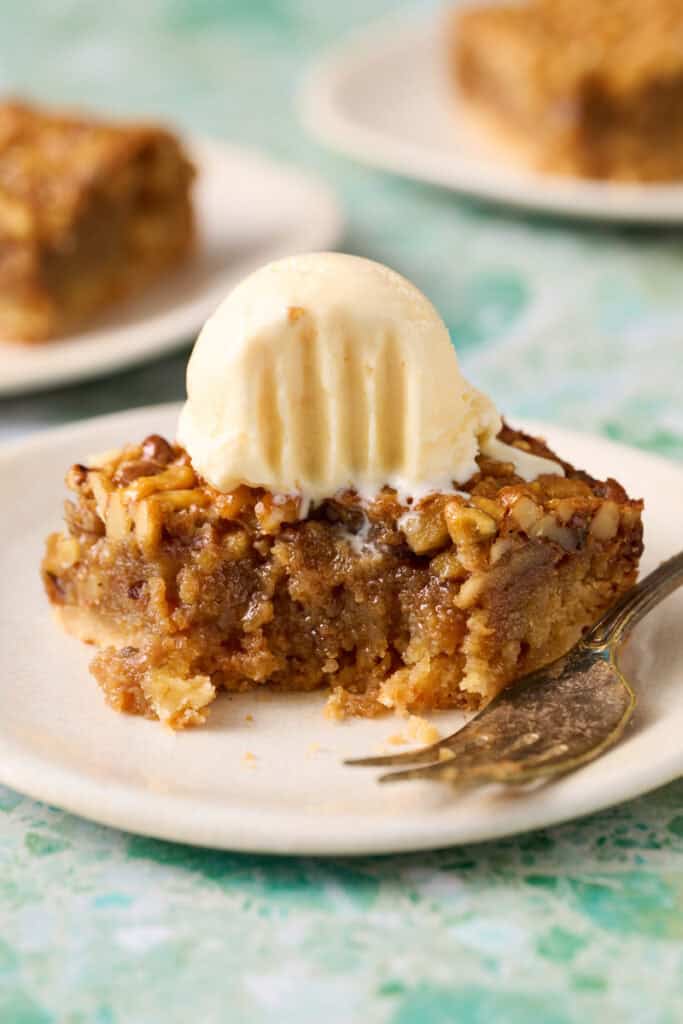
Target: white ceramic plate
<point>249,210</point>
<point>384,97</point>
<point>60,742</point>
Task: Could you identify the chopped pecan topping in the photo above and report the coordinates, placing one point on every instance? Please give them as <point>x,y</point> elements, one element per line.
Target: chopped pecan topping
<point>469,525</point>
<point>425,528</point>
<point>76,476</point>
<point>127,472</point>
<point>605,523</point>
<point>174,478</point>
<point>157,449</point>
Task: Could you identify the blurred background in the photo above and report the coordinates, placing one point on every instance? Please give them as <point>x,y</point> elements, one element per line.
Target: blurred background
<point>562,321</point>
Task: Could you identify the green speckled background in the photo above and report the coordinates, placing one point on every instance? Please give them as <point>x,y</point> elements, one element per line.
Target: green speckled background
<point>578,324</point>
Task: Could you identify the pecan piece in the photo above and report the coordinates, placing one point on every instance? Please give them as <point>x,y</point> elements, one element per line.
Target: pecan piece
<point>157,449</point>
<point>129,471</point>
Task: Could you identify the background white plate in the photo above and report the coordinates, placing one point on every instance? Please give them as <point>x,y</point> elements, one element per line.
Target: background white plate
<point>60,742</point>
<point>384,97</point>
<point>249,210</point>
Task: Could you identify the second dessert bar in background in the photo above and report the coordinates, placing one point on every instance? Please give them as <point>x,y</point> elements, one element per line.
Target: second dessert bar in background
<point>91,210</point>
<point>578,87</point>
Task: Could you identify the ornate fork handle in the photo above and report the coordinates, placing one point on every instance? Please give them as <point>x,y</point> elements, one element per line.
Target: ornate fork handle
<point>620,619</point>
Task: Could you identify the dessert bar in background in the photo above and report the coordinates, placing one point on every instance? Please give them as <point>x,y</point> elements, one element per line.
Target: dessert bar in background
<point>341,510</point>
<point>576,87</point>
<point>90,211</point>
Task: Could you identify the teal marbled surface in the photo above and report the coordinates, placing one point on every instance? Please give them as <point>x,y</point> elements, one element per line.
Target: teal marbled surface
<point>578,923</point>
<point>572,323</point>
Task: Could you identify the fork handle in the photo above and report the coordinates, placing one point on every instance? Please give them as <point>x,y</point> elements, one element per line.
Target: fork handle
<point>635,605</point>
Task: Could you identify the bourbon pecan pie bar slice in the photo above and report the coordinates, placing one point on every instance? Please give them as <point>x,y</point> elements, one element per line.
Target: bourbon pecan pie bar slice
<point>342,510</point>
<point>190,591</point>
<point>90,211</point>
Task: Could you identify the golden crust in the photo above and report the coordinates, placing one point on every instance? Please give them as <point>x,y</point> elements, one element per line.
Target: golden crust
<point>92,627</point>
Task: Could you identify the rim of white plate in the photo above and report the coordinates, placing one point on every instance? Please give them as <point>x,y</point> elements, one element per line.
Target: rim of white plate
<point>328,119</point>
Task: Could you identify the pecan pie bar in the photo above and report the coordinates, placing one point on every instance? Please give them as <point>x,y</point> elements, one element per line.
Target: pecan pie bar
<point>577,87</point>
<point>189,590</point>
<point>90,211</point>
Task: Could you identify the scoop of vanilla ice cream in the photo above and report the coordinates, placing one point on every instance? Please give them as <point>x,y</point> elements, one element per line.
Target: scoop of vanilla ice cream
<point>324,372</point>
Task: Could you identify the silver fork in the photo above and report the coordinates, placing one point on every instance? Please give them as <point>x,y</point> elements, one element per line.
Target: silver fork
<point>552,720</point>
